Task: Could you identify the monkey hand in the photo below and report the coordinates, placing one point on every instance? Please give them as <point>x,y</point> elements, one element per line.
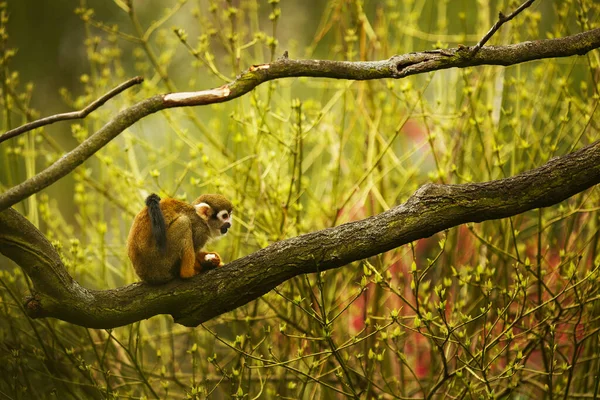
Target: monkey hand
<point>206,261</point>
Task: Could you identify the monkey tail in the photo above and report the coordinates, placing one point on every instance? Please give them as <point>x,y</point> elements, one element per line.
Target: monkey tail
<point>157,222</point>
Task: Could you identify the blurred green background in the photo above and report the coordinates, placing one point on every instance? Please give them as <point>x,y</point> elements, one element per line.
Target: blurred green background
<point>499,309</point>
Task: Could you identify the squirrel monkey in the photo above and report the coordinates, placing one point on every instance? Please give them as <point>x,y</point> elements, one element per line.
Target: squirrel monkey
<point>167,235</point>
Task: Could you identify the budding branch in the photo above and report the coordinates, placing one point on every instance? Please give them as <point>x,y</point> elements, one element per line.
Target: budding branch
<point>396,67</point>
<point>431,209</point>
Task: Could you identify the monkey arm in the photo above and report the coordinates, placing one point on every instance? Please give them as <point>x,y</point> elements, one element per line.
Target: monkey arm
<point>207,261</point>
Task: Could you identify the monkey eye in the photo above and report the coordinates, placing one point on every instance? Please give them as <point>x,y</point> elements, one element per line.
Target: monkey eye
<point>223,215</point>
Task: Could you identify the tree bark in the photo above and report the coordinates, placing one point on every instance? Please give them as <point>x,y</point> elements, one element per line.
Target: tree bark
<point>432,208</point>
<point>399,66</point>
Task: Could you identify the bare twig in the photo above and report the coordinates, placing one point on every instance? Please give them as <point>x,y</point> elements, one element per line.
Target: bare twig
<point>71,115</point>
<point>396,67</point>
<point>501,20</point>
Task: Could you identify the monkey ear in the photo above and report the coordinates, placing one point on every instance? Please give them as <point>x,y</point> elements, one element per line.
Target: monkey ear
<point>203,210</point>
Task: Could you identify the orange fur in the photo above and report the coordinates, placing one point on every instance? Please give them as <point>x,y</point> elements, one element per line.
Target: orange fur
<point>187,231</point>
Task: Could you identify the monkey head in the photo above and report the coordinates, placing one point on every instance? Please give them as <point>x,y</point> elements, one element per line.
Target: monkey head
<point>216,211</point>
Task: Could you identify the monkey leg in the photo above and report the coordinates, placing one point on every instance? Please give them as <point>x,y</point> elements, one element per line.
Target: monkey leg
<point>188,260</point>
<point>187,263</point>
<point>180,233</point>
<point>206,261</point>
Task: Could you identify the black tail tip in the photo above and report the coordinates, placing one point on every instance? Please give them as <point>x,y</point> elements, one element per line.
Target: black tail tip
<point>152,199</point>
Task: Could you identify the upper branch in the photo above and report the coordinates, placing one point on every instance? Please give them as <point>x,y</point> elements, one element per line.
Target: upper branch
<point>71,115</point>
<point>430,209</point>
<point>396,67</point>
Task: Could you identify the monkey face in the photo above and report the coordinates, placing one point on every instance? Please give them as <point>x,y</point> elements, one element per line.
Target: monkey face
<point>223,218</point>
<point>216,211</point>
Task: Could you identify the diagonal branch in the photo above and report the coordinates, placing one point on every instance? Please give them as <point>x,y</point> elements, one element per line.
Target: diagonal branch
<point>502,19</point>
<point>395,67</point>
<point>71,115</point>
<point>430,209</point>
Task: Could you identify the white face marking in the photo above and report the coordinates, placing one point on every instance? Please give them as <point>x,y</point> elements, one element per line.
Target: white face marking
<point>209,257</point>
<point>224,216</point>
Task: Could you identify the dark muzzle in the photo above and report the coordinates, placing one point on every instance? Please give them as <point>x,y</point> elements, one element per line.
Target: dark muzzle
<point>224,228</point>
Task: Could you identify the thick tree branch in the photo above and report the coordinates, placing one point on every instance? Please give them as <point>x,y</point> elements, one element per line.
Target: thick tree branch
<point>396,67</point>
<point>431,209</point>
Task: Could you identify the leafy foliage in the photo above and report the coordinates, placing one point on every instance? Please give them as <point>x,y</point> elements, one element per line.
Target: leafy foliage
<point>501,308</point>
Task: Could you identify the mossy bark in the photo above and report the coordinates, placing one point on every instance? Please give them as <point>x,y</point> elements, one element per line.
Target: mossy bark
<point>396,67</point>
<point>431,209</point>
